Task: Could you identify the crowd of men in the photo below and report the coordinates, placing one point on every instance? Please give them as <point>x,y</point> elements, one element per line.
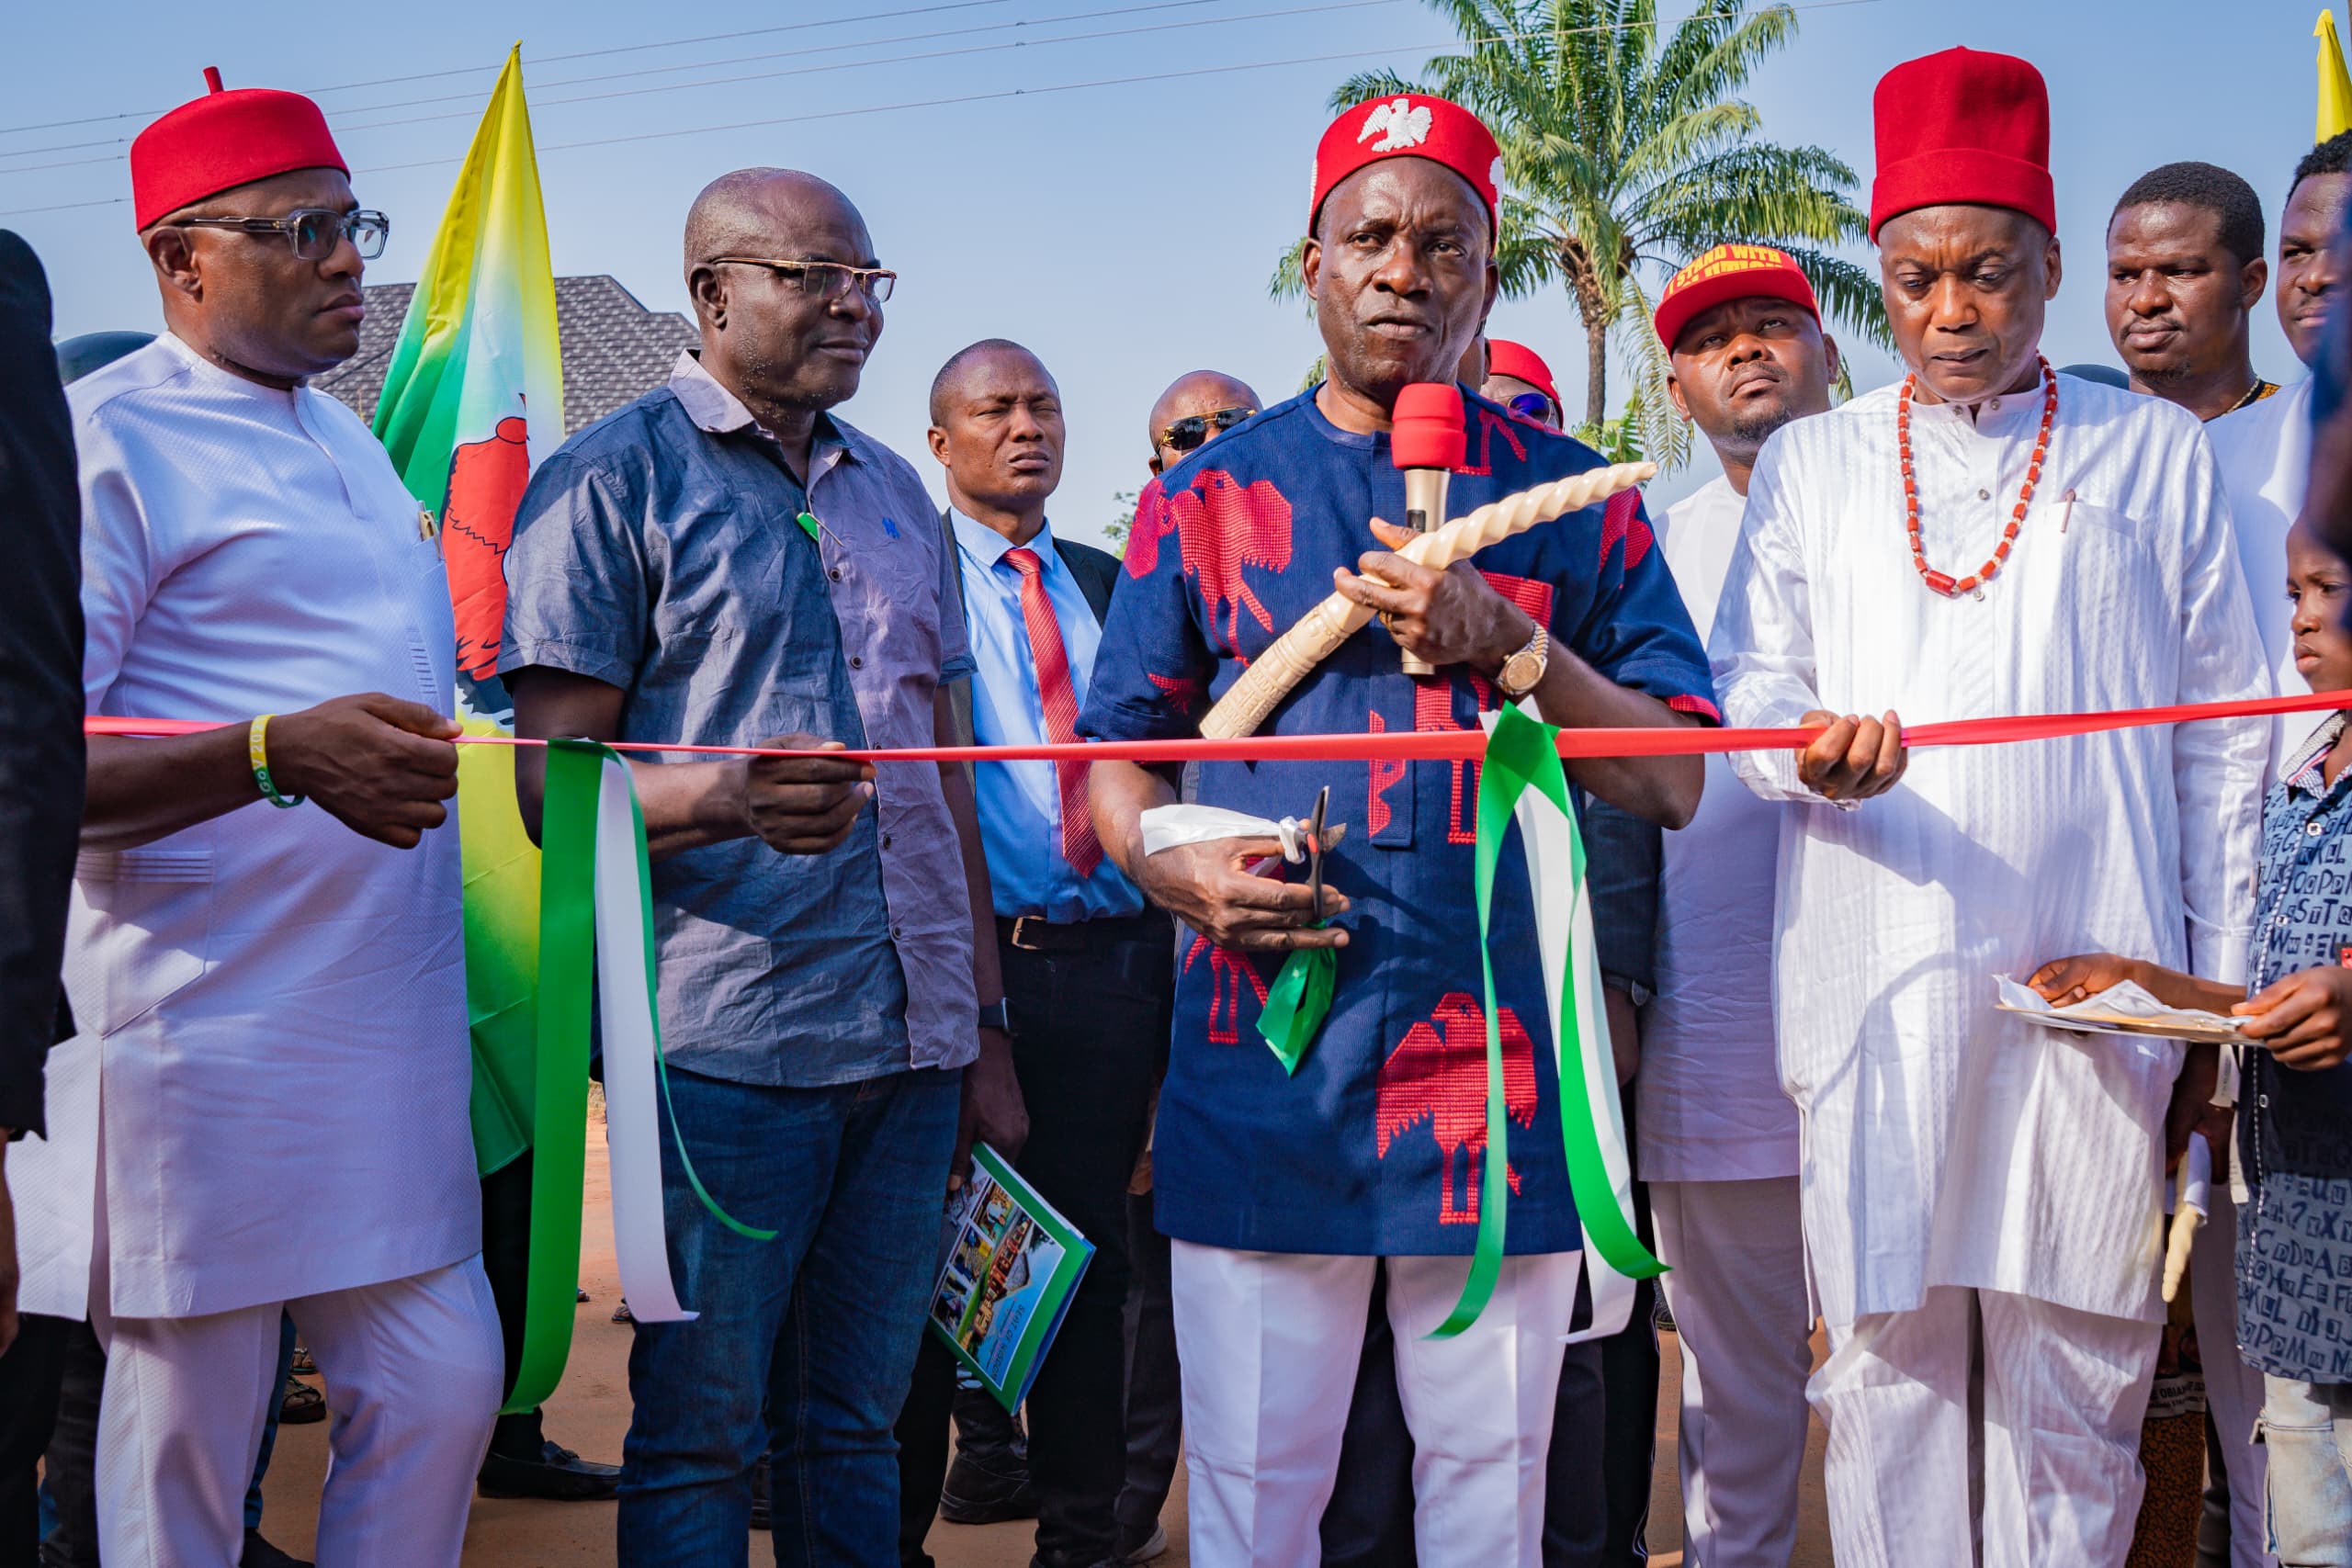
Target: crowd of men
<point>255,1107</point>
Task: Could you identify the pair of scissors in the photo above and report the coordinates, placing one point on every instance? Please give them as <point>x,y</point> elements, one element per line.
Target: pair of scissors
<point>1314,850</point>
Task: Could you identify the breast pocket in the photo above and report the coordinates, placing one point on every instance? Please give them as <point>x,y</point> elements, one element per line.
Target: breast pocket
<point>2110,578</point>
<point>142,926</point>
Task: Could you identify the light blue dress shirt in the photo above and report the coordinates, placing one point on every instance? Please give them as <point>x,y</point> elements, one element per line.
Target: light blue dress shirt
<point>1020,808</point>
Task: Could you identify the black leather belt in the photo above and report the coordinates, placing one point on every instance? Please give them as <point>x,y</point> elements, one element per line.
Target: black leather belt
<point>1034,933</point>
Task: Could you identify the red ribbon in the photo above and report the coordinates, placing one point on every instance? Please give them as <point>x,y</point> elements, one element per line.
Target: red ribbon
<point>1446,745</point>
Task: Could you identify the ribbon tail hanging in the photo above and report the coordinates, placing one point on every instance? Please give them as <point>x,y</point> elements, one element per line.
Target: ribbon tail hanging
<point>1521,781</point>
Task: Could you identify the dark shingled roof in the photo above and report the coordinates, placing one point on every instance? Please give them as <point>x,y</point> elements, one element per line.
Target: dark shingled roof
<point>614,350</point>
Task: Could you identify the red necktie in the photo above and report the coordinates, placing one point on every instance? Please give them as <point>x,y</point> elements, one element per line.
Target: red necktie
<point>1080,846</point>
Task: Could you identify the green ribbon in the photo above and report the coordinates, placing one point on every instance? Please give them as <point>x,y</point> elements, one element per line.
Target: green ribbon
<point>1297,1003</point>
<point>1522,755</point>
<point>560,1088</point>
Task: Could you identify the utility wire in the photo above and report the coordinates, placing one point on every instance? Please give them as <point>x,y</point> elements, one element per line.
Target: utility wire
<point>1005,93</point>
<point>474,97</point>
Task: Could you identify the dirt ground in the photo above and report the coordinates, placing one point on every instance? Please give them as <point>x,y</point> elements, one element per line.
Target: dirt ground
<point>590,1412</point>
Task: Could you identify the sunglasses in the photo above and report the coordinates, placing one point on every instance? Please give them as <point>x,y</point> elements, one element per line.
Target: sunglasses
<point>314,231</point>
<point>1534,405</point>
<point>1188,433</point>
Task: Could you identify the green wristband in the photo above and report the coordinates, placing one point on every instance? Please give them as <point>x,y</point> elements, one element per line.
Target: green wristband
<point>257,751</point>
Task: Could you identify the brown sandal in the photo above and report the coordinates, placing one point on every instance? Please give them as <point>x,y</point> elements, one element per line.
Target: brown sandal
<point>301,1404</point>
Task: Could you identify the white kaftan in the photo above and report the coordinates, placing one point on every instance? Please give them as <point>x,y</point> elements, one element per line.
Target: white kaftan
<point>2264,456</point>
<point>1943,1143</point>
<point>274,1006</point>
<point>1712,1108</point>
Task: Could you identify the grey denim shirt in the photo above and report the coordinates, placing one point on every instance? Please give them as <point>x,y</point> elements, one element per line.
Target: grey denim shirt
<point>658,551</point>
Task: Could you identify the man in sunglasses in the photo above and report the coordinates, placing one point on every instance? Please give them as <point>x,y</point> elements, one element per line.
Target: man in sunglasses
<point>1198,407</point>
<point>1517,378</point>
<point>726,561</point>
<point>265,1108</point>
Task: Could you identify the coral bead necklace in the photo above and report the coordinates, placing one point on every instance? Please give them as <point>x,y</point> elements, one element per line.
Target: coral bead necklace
<point>1940,582</point>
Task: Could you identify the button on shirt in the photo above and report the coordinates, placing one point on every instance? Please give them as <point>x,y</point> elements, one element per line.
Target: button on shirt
<point>2294,1257</point>
<point>1021,809</point>
<point>658,551</point>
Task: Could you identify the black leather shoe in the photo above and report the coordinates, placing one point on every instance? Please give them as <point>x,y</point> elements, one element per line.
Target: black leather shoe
<point>559,1476</point>
<point>259,1553</point>
<point>988,1492</point>
<point>763,1514</point>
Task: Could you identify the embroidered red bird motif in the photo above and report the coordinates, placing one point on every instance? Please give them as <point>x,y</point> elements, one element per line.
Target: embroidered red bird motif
<point>1153,523</point>
<point>1439,1071</point>
<point>1622,519</point>
<point>1224,525</point>
<point>1227,973</point>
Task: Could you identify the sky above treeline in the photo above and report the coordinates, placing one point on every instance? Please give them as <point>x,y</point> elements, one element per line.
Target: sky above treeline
<point>1111,184</point>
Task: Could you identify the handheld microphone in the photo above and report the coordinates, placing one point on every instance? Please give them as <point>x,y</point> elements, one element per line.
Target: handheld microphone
<point>1427,443</point>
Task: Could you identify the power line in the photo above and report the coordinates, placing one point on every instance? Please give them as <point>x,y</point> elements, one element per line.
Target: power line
<point>1007,93</point>
<point>470,98</point>
<point>550,60</point>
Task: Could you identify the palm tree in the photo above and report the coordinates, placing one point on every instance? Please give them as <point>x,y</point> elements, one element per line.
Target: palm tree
<point>1624,152</point>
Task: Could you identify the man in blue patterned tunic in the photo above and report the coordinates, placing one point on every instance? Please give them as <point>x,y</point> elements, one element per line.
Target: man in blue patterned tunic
<point>1285,1193</point>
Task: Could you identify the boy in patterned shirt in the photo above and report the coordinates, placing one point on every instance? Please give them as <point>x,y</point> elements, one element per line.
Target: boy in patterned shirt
<point>2294,1138</point>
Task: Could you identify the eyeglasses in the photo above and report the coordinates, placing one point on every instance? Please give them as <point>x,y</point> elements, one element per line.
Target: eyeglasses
<point>314,231</point>
<point>826,280</point>
<point>1534,405</point>
<point>1190,432</point>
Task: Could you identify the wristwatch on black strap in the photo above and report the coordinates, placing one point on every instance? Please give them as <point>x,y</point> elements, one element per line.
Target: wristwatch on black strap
<point>998,1015</point>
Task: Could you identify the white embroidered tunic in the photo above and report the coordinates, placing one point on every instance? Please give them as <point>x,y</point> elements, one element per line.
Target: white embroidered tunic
<point>1944,1143</point>
<point>1712,1108</point>
<point>273,1062</point>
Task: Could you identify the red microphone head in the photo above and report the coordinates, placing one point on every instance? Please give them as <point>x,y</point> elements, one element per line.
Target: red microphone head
<point>1428,432</point>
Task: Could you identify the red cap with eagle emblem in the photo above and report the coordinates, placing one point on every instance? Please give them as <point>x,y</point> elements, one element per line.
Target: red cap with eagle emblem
<point>1408,125</point>
<point>1963,125</point>
<point>1730,271</point>
<point>223,140</point>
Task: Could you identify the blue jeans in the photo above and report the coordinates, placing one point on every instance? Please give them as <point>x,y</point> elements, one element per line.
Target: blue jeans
<point>815,1331</point>
<point>2307,1427</point>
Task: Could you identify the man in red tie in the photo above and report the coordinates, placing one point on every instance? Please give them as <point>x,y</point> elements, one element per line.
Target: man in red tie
<point>1088,969</point>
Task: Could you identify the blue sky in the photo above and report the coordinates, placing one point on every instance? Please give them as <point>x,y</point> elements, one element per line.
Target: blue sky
<point>1124,232</point>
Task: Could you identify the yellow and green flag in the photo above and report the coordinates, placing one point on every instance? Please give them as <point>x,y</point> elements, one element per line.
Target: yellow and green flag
<point>474,397</point>
<point>2335,83</point>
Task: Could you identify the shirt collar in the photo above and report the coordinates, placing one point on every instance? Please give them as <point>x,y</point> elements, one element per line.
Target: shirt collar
<point>987,546</point>
<point>715,409</point>
<point>2303,774</point>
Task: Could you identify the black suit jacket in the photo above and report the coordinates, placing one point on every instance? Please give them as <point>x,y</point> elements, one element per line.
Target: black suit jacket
<point>40,681</point>
<point>1097,572</point>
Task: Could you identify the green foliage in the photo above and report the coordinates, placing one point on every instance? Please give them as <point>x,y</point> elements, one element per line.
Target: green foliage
<point>1626,151</point>
<point>1123,520</point>
<point>1619,440</point>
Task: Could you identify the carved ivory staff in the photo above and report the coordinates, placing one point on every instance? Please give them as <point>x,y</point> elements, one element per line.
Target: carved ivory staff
<point>1286,662</point>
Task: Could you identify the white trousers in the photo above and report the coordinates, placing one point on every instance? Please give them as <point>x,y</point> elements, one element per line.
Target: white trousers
<point>1272,1341</point>
<point>2233,1389</point>
<point>415,1371</point>
<point>1987,1416</point>
<point>1735,1252</point>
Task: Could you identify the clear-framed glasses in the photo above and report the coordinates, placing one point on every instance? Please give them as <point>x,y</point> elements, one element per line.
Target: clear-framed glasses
<point>1185,435</point>
<point>826,280</point>
<point>314,231</point>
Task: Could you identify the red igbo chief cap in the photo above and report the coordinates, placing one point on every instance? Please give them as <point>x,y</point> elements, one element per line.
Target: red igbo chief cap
<point>1963,125</point>
<point>1408,125</point>
<point>1730,271</point>
<point>224,139</point>
<point>1522,362</point>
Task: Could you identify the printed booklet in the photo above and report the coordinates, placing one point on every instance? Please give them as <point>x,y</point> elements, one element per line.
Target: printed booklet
<point>1009,1263</point>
